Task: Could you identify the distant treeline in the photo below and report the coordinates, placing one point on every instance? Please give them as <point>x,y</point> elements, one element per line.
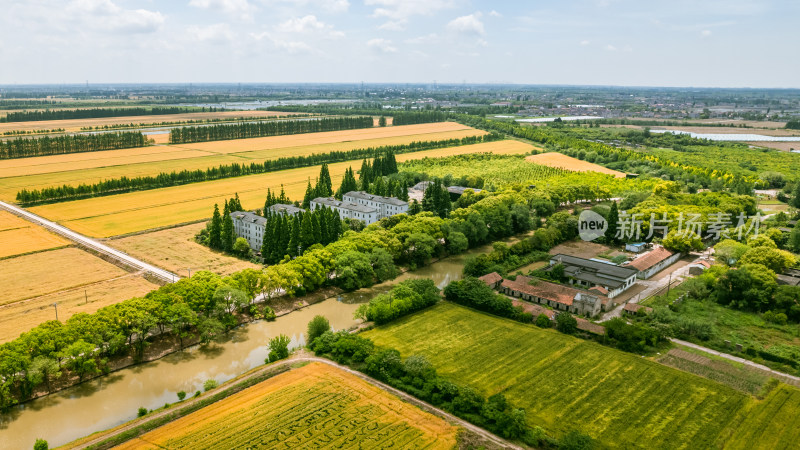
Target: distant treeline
<point>125,184</point>
<point>410,118</point>
<point>57,145</point>
<point>93,113</point>
<point>377,109</point>
<point>250,130</point>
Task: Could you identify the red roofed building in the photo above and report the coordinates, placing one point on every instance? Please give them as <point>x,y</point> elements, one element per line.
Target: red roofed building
<point>633,308</point>
<point>492,279</point>
<point>653,262</point>
<point>558,297</point>
<point>585,325</point>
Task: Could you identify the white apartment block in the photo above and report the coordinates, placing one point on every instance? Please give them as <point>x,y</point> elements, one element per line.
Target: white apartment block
<point>362,206</point>
<point>249,226</point>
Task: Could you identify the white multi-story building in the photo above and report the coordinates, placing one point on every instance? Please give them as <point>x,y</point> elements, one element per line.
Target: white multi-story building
<point>249,226</point>
<point>362,206</point>
<point>347,210</point>
<point>386,206</point>
<point>281,208</point>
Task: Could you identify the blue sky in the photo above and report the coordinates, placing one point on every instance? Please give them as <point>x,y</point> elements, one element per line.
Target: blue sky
<point>724,43</point>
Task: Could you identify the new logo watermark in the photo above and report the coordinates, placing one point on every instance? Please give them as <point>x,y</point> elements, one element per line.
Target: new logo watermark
<point>717,226</point>
<point>591,225</point>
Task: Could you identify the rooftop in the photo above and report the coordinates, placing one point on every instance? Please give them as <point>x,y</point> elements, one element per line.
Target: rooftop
<point>247,216</point>
<point>534,309</point>
<point>585,325</point>
<point>376,198</point>
<point>594,266</point>
<point>491,278</point>
<point>286,209</point>
<point>650,259</point>
<point>543,289</point>
<point>332,202</point>
<point>635,307</point>
<point>460,189</point>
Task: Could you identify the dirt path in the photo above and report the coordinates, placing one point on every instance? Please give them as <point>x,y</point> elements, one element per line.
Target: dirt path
<point>737,359</point>
<point>91,243</point>
<point>302,356</point>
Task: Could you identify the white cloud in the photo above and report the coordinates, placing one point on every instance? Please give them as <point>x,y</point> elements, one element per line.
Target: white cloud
<point>705,33</point>
<point>403,9</point>
<point>611,48</point>
<point>494,13</point>
<point>284,45</point>
<point>301,25</point>
<point>219,33</point>
<point>240,9</point>
<point>427,39</point>
<point>381,45</point>
<point>394,25</point>
<point>482,43</point>
<point>105,15</point>
<point>331,6</point>
<point>585,42</point>
<point>308,24</point>
<point>470,24</point>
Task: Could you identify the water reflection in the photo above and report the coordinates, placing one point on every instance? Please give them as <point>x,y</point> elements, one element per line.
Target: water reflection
<point>109,401</point>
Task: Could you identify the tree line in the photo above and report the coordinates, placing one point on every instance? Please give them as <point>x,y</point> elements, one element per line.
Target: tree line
<point>93,113</point>
<point>261,129</point>
<point>204,305</point>
<point>78,143</point>
<point>175,178</point>
<point>410,118</point>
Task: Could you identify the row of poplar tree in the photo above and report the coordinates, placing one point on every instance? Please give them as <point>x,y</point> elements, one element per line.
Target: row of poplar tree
<point>268,128</point>
<point>77,143</point>
<point>92,113</point>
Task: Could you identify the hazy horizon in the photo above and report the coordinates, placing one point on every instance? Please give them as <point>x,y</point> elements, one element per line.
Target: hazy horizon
<point>597,43</point>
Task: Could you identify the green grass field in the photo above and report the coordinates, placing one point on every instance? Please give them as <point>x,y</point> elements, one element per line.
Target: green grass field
<point>567,383</point>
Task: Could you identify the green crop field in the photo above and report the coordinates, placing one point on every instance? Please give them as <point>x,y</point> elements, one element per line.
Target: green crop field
<point>566,383</point>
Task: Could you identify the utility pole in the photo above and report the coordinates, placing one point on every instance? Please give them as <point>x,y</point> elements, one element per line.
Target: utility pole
<point>55,305</point>
<point>669,284</point>
<point>86,294</point>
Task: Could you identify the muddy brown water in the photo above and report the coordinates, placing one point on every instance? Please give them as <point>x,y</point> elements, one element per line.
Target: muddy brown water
<point>114,399</point>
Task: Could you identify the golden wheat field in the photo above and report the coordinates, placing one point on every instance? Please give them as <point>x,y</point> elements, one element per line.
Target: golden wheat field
<point>315,406</point>
<point>553,159</point>
<point>139,211</point>
<point>19,317</point>
<point>76,124</point>
<point>47,171</point>
<point>174,249</point>
<point>18,236</point>
<point>37,274</point>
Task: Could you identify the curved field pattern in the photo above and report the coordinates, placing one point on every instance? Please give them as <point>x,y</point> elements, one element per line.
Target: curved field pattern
<point>315,406</point>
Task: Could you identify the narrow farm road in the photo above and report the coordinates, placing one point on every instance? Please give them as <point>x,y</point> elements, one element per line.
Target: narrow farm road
<point>302,356</point>
<point>737,359</point>
<point>90,243</point>
<point>653,288</point>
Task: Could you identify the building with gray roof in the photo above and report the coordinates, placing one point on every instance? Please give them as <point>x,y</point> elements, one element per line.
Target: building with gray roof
<point>281,208</point>
<point>590,273</point>
<point>249,226</point>
<point>386,206</point>
<point>347,209</point>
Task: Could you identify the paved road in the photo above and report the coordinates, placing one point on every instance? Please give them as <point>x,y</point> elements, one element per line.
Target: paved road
<point>653,287</point>
<point>302,356</point>
<point>746,362</point>
<point>90,243</point>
